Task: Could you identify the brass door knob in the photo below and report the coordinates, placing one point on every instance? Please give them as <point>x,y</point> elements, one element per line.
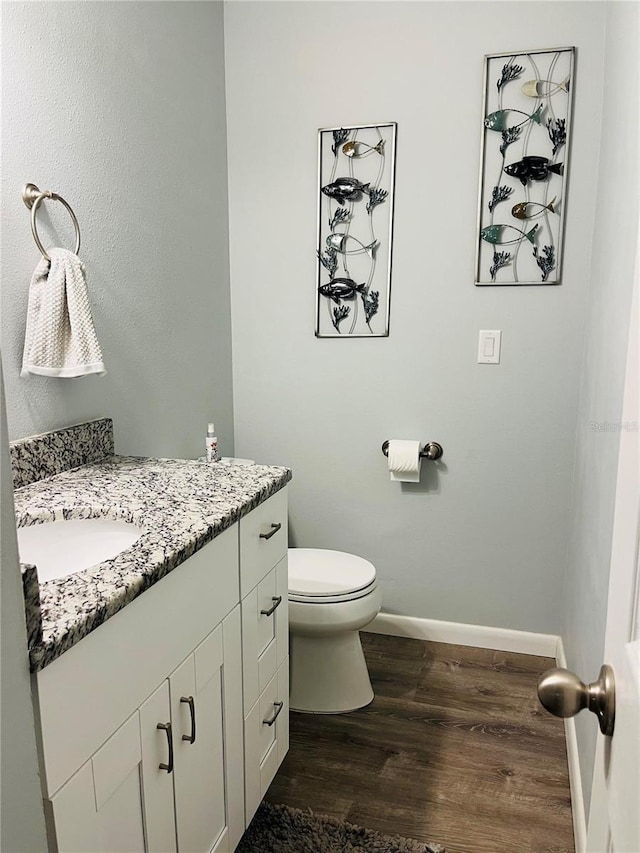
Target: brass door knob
<point>563,694</point>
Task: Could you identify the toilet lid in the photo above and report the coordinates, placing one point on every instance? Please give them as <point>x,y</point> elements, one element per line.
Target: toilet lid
<point>318,572</point>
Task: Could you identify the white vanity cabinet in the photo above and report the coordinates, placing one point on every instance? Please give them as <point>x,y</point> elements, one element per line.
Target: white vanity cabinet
<point>103,785</point>
<point>158,783</point>
<point>161,729</point>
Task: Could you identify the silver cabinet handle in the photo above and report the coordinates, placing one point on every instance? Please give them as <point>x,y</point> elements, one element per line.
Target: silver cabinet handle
<point>167,728</point>
<point>192,708</point>
<point>272,610</point>
<point>275,528</point>
<point>278,706</point>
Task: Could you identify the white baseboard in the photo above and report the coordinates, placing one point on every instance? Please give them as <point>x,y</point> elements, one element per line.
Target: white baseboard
<point>575,777</point>
<point>480,636</point>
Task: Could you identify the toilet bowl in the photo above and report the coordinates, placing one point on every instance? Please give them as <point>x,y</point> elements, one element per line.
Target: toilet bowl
<point>332,595</point>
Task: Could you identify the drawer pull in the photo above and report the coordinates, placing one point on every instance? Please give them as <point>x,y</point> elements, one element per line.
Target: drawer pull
<point>168,767</point>
<point>192,708</point>
<point>274,530</point>
<point>277,602</point>
<point>269,722</point>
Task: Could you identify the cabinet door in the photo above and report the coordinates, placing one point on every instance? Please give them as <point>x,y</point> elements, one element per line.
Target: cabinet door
<point>157,773</point>
<point>99,810</point>
<point>206,712</point>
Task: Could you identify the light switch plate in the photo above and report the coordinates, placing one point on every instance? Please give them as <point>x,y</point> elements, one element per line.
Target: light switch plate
<point>489,343</point>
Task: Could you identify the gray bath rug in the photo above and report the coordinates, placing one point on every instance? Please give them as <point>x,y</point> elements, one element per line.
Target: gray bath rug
<point>280,829</point>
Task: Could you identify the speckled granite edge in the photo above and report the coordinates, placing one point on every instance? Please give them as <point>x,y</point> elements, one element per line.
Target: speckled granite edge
<point>41,456</point>
<point>33,613</point>
<point>181,505</point>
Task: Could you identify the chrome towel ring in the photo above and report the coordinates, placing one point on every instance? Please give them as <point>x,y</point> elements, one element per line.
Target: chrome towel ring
<point>32,197</point>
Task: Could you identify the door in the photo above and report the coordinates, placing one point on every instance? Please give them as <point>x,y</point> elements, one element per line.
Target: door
<point>614,818</point>
<point>206,715</point>
<point>99,810</point>
<point>156,738</point>
<point>197,718</point>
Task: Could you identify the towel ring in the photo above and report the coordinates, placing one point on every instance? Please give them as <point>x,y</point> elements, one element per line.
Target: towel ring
<point>32,197</point>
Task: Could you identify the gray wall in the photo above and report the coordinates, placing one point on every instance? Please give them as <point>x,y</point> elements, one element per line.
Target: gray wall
<point>600,405</point>
<point>21,817</point>
<point>120,107</point>
<point>485,539</point>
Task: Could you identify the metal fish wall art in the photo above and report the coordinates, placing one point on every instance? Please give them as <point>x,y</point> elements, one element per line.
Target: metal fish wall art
<point>492,234</point>
<point>520,210</point>
<point>337,242</point>
<point>498,120</point>
<point>341,288</point>
<point>521,207</point>
<point>345,189</point>
<point>356,168</point>
<point>361,149</point>
<point>533,168</point>
<point>544,88</point>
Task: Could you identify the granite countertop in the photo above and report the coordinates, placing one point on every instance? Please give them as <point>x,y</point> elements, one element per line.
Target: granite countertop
<point>180,505</point>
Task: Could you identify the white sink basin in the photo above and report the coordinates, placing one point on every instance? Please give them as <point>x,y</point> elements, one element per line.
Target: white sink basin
<point>61,548</point>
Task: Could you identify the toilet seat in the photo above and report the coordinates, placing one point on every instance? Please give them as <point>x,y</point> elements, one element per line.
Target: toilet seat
<point>319,576</point>
<point>332,599</point>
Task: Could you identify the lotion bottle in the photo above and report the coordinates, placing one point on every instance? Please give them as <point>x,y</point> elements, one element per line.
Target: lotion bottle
<point>211,444</point>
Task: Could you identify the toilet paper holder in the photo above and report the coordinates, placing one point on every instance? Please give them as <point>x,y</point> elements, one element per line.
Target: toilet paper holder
<point>432,450</point>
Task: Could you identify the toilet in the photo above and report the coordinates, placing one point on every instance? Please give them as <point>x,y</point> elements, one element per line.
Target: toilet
<point>332,595</point>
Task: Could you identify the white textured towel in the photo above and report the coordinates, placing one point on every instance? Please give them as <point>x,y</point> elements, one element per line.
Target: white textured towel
<point>60,338</point>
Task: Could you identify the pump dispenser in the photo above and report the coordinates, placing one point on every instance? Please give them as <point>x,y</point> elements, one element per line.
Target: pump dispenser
<point>211,443</point>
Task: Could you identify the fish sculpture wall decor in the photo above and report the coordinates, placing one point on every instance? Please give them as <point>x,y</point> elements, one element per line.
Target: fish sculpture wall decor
<point>520,210</point>
<point>361,149</point>
<point>524,166</point>
<point>544,88</point>
<point>356,173</point>
<point>498,120</point>
<point>341,288</point>
<point>337,242</point>
<point>492,234</point>
<point>533,168</point>
<point>345,189</point>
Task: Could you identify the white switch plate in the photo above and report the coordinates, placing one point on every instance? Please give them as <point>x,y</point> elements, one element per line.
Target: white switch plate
<point>489,342</point>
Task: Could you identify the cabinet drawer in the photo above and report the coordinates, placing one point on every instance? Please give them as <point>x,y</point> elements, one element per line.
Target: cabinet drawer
<point>266,745</point>
<point>265,635</point>
<point>259,554</point>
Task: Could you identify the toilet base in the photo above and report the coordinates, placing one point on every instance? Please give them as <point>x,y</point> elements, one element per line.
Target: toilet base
<point>328,674</point>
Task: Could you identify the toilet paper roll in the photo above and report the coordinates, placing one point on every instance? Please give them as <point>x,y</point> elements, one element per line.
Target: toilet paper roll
<point>404,460</point>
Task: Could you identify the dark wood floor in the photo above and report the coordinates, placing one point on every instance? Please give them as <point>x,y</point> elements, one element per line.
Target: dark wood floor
<point>454,749</point>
